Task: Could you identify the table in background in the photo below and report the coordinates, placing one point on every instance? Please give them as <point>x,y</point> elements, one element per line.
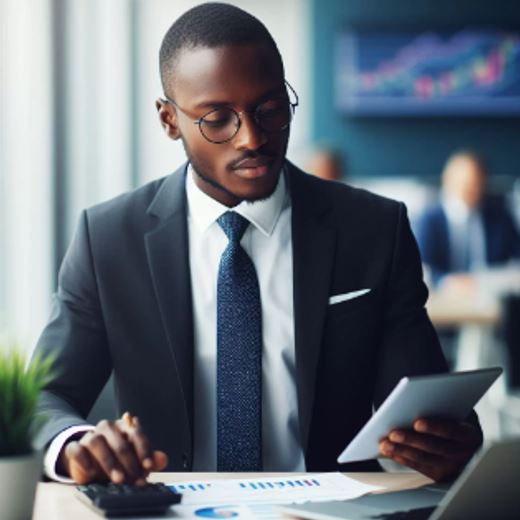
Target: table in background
<point>475,318</point>
<point>476,313</point>
<point>57,501</point>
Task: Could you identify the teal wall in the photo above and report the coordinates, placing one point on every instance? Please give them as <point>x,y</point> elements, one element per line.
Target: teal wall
<point>407,146</point>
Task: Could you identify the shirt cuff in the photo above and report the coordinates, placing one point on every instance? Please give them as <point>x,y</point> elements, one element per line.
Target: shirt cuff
<point>54,449</point>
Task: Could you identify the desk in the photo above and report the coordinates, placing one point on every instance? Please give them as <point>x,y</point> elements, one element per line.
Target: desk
<point>473,304</point>
<point>57,501</point>
<point>475,318</point>
<point>447,310</point>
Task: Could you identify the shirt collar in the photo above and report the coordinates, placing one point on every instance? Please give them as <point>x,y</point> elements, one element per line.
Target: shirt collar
<point>263,214</point>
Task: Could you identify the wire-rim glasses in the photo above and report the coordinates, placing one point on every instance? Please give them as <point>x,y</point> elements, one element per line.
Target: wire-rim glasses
<point>221,124</point>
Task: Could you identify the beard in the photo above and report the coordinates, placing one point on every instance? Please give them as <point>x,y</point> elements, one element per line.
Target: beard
<point>203,174</point>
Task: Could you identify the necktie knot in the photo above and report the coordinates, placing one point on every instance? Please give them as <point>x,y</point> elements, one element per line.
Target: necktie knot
<point>233,225</point>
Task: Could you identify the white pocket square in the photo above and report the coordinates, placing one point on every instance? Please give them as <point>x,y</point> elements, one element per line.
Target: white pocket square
<point>338,298</point>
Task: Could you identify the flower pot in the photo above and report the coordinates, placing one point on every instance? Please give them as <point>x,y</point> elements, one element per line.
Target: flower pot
<point>18,478</point>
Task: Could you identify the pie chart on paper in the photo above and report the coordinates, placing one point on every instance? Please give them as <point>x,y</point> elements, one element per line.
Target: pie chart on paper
<point>217,512</point>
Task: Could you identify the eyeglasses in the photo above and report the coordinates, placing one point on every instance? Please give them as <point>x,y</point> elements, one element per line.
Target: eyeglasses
<point>221,124</point>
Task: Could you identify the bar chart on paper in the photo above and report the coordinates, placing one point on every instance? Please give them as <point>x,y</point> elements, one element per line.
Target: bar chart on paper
<point>256,497</point>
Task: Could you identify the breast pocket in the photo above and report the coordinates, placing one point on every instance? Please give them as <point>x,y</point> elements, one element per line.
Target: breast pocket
<point>351,329</point>
<point>351,308</point>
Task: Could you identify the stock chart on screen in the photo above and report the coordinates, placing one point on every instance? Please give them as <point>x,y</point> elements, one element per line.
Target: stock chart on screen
<point>428,73</point>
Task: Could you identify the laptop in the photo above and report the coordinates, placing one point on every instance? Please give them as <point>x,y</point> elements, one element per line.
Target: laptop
<point>488,488</point>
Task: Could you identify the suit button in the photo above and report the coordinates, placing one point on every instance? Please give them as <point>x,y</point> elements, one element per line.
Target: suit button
<point>185,461</point>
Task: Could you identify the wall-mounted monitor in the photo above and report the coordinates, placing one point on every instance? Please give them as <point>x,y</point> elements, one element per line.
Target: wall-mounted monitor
<point>425,73</point>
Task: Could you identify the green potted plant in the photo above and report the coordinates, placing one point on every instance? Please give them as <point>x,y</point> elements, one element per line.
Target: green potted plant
<point>20,464</point>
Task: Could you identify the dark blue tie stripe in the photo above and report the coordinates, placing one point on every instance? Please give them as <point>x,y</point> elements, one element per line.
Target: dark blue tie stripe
<point>239,355</point>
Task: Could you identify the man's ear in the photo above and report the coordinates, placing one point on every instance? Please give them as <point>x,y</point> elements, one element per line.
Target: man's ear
<point>168,118</point>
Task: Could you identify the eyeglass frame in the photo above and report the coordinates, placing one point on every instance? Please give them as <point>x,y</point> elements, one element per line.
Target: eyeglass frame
<point>200,120</point>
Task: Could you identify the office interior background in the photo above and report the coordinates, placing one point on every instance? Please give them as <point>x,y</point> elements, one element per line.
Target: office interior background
<point>78,125</point>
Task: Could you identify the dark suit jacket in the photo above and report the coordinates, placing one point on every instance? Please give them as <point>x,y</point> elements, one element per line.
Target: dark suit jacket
<point>124,304</point>
<point>501,238</point>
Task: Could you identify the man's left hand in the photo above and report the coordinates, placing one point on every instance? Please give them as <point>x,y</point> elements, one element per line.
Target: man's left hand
<point>439,449</point>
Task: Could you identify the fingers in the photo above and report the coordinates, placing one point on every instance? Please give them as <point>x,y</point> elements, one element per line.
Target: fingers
<point>116,450</point>
<point>436,448</point>
<point>132,428</point>
<point>435,472</point>
<point>80,464</point>
<point>113,452</point>
<point>462,432</point>
<point>449,439</point>
<point>160,460</point>
<point>392,450</point>
<point>83,467</point>
<point>433,466</point>
<point>122,449</point>
<point>429,443</point>
<point>104,456</point>
<point>151,461</point>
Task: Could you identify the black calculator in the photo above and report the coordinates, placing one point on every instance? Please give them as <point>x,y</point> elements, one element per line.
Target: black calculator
<point>113,500</point>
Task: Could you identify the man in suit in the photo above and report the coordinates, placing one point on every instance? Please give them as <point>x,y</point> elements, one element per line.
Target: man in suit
<point>466,232</point>
<point>250,322</point>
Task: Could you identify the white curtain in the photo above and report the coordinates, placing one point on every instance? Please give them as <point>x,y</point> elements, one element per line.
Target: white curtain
<point>97,103</point>
<point>26,235</point>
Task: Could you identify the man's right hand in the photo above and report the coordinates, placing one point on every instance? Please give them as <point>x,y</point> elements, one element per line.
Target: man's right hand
<point>117,451</point>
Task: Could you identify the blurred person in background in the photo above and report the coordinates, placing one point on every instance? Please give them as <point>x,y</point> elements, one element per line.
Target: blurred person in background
<point>327,163</point>
<point>467,231</point>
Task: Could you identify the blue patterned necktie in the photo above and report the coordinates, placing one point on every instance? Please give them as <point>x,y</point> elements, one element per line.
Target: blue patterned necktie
<point>239,354</point>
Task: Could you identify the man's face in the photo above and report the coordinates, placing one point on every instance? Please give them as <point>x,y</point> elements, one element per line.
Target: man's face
<point>466,180</point>
<point>241,77</point>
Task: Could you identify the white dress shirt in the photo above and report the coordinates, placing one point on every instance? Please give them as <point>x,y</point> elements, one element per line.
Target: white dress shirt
<point>466,236</point>
<point>268,242</point>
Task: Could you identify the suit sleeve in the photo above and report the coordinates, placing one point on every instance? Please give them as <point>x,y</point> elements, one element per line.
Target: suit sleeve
<point>75,335</point>
<point>409,343</point>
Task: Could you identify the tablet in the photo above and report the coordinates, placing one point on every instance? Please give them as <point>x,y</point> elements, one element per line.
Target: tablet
<point>450,396</point>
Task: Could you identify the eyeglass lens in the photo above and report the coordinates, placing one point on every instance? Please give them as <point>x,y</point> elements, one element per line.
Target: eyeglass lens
<point>222,124</point>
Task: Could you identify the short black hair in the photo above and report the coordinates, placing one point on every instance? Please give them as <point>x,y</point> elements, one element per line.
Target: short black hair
<point>210,25</point>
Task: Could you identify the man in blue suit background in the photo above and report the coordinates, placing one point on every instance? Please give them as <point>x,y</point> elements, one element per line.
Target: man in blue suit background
<point>466,231</point>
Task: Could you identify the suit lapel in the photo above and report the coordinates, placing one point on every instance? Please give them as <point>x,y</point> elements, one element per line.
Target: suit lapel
<point>314,239</point>
<point>168,260</point>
